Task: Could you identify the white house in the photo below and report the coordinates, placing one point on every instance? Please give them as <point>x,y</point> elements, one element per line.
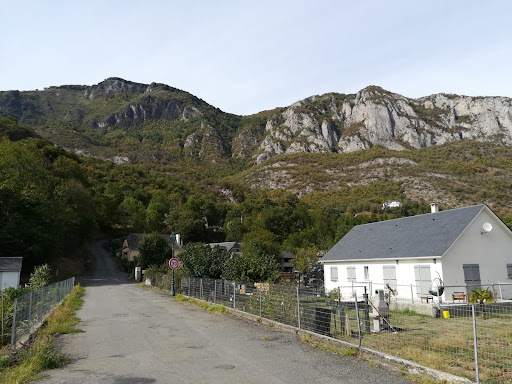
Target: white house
<point>10,270</point>
<point>466,248</point>
<point>391,204</point>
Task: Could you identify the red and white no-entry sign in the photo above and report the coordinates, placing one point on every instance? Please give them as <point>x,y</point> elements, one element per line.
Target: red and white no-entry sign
<point>174,263</point>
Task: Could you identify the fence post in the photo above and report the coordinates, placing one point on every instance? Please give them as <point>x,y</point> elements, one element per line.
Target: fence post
<point>358,321</point>
<point>2,335</point>
<point>366,312</point>
<point>13,335</point>
<point>412,295</point>
<point>259,289</point>
<point>501,293</point>
<point>215,292</point>
<point>41,303</point>
<point>234,294</point>
<point>475,342</point>
<point>189,286</point>
<point>298,307</point>
<point>201,288</point>
<point>30,311</point>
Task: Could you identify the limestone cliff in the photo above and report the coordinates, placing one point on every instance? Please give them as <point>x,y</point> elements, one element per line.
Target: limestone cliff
<point>347,123</point>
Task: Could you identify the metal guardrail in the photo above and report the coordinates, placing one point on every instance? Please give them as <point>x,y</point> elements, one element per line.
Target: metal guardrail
<point>31,309</point>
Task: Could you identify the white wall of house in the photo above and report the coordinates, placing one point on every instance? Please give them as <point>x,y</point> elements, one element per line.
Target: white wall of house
<point>406,285</point>
<point>492,252</point>
<point>9,279</point>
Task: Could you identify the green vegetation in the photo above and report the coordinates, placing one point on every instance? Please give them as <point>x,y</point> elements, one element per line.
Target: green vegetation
<point>153,251</point>
<point>42,353</point>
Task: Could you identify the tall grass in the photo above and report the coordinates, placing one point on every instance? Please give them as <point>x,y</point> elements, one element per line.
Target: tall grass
<point>42,352</point>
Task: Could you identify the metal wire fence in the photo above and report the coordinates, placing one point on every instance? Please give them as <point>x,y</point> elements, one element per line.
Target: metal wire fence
<point>31,310</point>
<point>461,338</point>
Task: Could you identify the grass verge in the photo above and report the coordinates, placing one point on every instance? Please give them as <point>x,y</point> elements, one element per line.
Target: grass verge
<point>42,352</point>
<point>213,308</point>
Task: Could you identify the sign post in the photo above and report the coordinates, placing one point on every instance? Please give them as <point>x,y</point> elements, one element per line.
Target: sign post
<point>173,264</point>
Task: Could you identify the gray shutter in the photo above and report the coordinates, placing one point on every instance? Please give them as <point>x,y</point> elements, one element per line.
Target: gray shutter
<point>418,279</point>
<point>385,272</point>
<point>392,276</point>
<point>334,273</point>
<point>472,276</point>
<point>426,280</point>
<point>423,279</point>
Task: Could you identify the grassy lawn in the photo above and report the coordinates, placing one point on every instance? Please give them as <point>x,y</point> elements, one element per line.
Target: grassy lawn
<point>445,344</point>
<point>42,352</point>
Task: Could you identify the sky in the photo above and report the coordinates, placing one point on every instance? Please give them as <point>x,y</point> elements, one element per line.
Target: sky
<point>248,56</point>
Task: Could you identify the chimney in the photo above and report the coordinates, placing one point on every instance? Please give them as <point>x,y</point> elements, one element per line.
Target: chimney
<point>434,208</point>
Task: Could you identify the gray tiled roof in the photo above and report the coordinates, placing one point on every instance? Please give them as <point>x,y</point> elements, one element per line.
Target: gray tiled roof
<point>425,235</point>
<point>228,245</point>
<point>10,264</point>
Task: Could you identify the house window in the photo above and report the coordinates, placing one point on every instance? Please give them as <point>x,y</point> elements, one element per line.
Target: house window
<point>389,272</point>
<point>472,276</point>
<point>334,273</point>
<point>509,271</point>
<point>366,273</point>
<point>351,273</point>
<point>423,279</point>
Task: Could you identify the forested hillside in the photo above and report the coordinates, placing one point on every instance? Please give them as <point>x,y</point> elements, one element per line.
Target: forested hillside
<point>118,157</point>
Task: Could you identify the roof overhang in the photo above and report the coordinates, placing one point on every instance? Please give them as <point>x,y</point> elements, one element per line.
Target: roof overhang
<point>383,259</point>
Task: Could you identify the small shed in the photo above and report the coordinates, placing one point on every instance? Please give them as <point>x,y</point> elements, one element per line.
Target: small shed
<point>10,270</point>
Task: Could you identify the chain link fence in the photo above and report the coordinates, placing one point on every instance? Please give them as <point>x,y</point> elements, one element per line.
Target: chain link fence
<point>470,340</point>
<point>31,309</point>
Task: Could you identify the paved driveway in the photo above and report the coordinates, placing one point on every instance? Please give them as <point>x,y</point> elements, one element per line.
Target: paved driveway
<point>135,336</point>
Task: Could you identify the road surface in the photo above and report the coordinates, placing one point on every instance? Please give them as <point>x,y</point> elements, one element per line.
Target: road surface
<point>137,336</point>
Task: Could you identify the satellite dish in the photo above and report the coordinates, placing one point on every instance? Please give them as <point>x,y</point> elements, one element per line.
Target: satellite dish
<point>487,227</point>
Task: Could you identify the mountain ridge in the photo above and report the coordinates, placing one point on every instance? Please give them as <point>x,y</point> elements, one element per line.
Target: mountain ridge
<point>135,122</point>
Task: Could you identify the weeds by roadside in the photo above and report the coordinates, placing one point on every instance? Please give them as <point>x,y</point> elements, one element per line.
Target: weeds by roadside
<point>42,352</point>
<point>213,308</point>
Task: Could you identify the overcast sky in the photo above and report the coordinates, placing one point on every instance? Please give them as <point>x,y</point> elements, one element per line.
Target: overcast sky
<point>247,56</point>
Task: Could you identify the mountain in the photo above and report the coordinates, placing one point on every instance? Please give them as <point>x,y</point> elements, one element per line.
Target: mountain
<point>374,116</point>
<point>128,122</point>
<point>131,122</point>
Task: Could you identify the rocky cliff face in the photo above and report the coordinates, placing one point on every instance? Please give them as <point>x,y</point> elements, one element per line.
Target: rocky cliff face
<point>347,123</point>
<point>114,114</point>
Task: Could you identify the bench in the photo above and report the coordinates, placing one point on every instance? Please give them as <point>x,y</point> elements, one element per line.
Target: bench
<point>426,299</point>
<point>461,296</point>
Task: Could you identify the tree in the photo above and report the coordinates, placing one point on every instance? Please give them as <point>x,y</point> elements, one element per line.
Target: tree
<point>153,250</point>
<point>200,260</point>
<point>134,213</point>
<point>306,260</point>
<point>259,260</point>
<point>40,277</point>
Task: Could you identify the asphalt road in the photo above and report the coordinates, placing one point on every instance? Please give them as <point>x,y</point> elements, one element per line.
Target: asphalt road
<point>142,336</point>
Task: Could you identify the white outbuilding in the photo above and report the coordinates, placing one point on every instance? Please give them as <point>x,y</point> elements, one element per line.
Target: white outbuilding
<point>464,248</point>
<point>10,270</point>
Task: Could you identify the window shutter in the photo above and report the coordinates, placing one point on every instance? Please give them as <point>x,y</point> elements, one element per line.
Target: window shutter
<point>351,273</point>
<point>334,273</point>
<point>418,279</point>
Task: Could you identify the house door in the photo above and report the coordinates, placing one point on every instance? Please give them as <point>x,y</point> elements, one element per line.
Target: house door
<point>472,276</point>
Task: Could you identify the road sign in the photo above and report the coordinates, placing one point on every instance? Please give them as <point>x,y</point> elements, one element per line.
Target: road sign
<point>174,263</point>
